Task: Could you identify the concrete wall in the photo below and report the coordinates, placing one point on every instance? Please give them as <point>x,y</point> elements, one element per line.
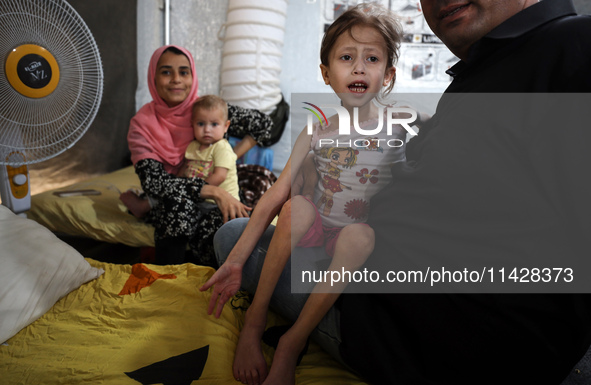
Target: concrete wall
<point>193,25</point>
<point>583,6</point>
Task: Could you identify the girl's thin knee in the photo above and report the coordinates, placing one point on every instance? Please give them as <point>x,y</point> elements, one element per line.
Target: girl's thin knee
<point>298,211</point>
<point>285,210</point>
<point>362,232</point>
<point>303,209</point>
<point>355,242</point>
<point>303,214</point>
<point>284,219</point>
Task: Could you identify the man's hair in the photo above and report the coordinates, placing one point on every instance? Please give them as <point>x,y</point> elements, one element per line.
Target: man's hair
<point>210,102</point>
<point>371,15</point>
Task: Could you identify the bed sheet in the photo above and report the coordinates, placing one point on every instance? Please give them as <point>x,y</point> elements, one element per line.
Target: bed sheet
<point>101,217</point>
<point>143,324</point>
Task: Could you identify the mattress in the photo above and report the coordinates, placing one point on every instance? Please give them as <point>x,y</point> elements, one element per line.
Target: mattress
<point>95,213</point>
<point>143,324</point>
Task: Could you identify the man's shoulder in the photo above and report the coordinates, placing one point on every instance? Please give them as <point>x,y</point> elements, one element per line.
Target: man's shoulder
<point>570,26</point>
<point>567,38</point>
<point>565,49</point>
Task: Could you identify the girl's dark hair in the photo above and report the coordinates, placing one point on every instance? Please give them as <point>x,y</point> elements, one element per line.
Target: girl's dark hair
<point>371,15</point>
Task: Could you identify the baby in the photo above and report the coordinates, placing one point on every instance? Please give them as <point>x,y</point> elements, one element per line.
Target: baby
<point>210,156</point>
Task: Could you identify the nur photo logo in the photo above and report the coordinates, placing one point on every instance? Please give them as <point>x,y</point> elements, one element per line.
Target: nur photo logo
<point>394,116</point>
<point>315,113</point>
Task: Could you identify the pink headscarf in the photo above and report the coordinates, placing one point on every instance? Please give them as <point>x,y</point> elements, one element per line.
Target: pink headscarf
<point>160,132</point>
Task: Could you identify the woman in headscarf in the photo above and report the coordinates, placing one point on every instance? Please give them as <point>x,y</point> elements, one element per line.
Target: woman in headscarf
<point>158,135</point>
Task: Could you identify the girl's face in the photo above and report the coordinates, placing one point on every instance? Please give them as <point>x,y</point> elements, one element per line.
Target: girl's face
<point>358,66</point>
<point>173,78</point>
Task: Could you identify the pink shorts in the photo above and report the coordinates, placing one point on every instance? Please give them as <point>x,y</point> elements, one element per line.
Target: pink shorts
<point>320,235</point>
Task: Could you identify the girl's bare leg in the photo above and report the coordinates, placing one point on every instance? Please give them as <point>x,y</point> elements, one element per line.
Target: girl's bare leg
<point>353,247</point>
<point>249,363</point>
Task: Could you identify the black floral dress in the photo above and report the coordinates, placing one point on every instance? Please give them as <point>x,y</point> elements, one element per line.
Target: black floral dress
<point>177,213</point>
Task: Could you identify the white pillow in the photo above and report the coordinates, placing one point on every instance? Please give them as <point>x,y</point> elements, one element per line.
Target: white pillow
<point>36,270</point>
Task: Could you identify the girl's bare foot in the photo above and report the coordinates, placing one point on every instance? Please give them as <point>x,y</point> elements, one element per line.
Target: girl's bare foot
<point>139,207</point>
<point>250,366</point>
<point>285,360</point>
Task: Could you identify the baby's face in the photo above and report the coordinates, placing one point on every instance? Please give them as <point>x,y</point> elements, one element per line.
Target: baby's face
<point>209,125</point>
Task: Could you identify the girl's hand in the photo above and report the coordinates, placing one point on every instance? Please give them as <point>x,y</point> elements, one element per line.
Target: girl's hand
<point>226,283</point>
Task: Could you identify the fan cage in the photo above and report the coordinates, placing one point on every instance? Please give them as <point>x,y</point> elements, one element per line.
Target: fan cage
<point>41,128</point>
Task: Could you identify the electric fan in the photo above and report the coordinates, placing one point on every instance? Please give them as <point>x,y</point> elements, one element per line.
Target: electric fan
<point>51,84</point>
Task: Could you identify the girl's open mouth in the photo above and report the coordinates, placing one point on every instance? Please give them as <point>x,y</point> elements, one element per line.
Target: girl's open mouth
<point>358,87</point>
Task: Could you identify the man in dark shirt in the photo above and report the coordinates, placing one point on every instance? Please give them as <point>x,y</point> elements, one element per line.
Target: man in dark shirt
<point>496,179</point>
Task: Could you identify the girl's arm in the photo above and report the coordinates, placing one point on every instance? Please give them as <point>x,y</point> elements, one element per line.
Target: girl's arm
<point>226,281</point>
<point>271,202</point>
<point>306,179</point>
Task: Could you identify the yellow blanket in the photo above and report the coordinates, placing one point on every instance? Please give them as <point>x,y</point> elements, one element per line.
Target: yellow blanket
<point>142,324</point>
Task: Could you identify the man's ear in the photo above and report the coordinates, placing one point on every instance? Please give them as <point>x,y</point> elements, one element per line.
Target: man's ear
<point>389,76</point>
<point>324,72</point>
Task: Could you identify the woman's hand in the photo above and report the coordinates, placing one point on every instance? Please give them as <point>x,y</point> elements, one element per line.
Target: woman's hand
<point>230,207</point>
<point>244,145</point>
<point>226,283</point>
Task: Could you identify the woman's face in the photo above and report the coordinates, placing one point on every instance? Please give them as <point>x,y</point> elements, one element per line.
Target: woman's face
<point>173,78</point>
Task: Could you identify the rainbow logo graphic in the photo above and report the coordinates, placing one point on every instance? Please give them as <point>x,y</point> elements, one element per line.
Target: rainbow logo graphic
<point>315,113</point>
